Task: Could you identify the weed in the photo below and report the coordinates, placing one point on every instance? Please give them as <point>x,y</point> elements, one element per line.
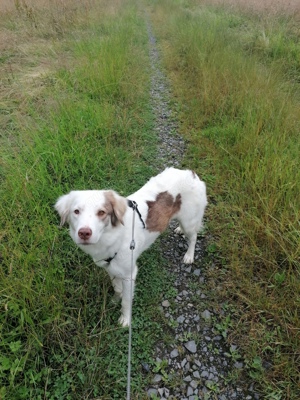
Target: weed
<point>172,323</point>
<point>160,367</point>
<point>223,326</point>
<point>185,337</point>
<point>233,354</point>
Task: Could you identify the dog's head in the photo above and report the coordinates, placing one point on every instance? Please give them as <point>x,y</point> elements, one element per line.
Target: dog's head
<point>90,212</point>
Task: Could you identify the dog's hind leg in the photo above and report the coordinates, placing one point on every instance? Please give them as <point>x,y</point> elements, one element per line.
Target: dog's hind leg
<point>189,255</point>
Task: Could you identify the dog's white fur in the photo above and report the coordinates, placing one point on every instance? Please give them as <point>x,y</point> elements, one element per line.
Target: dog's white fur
<point>100,223</point>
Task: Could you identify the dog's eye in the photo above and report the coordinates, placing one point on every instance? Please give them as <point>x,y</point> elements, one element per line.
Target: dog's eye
<point>100,213</point>
<point>76,212</point>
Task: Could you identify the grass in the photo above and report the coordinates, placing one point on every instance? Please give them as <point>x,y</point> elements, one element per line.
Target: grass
<point>74,114</point>
<point>236,78</point>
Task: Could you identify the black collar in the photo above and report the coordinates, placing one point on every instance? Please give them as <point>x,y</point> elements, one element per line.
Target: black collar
<point>108,260</point>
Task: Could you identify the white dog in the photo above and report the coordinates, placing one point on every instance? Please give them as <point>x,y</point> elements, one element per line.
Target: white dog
<point>101,223</point>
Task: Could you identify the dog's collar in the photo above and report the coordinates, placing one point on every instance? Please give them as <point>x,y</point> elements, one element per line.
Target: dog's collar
<point>132,204</point>
<point>108,260</point>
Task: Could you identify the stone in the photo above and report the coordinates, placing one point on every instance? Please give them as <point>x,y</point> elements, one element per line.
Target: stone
<point>157,378</point>
<point>206,314</point>
<point>183,362</point>
<point>174,353</point>
<point>151,392</point>
<point>198,363</point>
<point>180,319</point>
<point>238,365</point>
<point>191,346</point>
<point>196,374</point>
<point>204,374</point>
<point>189,391</point>
<point>194,384</point>
<point>165,303</point>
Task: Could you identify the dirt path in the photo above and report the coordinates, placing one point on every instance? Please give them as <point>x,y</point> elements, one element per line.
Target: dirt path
<point>197,363</point>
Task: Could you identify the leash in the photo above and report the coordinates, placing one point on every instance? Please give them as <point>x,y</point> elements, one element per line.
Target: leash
<point>133,205</point>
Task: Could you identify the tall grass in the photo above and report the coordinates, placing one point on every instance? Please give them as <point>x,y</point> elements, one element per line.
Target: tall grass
<point>85,125</point>
<point>241,115</point>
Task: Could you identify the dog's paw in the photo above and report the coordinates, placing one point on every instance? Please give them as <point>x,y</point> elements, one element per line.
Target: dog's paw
<point>124,321</point>
<point>178,230</point>
<point>187,259</point>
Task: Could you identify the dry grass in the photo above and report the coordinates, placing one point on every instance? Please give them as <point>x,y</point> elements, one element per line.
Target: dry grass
<point>269,6</point>
<point>32,37</point>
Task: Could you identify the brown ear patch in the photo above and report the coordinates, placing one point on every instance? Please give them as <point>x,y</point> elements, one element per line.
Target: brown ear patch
<point>161,211</point>
<point>115,206</point>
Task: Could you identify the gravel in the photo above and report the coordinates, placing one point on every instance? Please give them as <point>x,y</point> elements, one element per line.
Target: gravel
<point>197,360</point>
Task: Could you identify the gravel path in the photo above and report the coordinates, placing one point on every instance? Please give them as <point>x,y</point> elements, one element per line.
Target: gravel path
<point>197,363</point>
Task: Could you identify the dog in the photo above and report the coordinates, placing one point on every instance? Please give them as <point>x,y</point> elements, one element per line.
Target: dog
<point>102,223</point>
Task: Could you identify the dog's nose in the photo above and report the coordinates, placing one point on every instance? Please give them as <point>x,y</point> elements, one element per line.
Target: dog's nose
<point>85,233</point>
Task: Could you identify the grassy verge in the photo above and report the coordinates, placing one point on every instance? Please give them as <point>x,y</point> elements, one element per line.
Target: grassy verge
<point>74,114</point>
<point>236,79</point>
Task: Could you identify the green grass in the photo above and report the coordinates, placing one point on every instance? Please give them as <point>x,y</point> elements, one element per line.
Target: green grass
<point>75,114</point>
<point>86,124</point>
<point>239,107</point>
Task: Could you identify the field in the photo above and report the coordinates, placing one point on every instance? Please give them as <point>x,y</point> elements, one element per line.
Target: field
<point>269,7</point>
<point>76,73</point>
<point>236,76</point>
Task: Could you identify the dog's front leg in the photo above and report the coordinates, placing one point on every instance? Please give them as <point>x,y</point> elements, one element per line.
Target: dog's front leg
<point>117,285</point>
<point>127,299</point>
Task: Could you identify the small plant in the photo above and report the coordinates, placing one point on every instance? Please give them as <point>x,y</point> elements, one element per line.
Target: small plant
<point>154,397</point>
<point>185,337</point>
<point>160,367</point>
<point>223,326</point>
<point>172,323</point>
<point>212,248</point>
<point>280,278</point>
<point>233,354</point>
<point>255,367</point>
<point>212,386</point>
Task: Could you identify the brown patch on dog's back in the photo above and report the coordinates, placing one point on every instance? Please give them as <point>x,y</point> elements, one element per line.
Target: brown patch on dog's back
<point>161,211</point>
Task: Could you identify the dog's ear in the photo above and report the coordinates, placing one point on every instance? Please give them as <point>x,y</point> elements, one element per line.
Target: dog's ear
<point>117,206</point>
<point>62,206</point>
